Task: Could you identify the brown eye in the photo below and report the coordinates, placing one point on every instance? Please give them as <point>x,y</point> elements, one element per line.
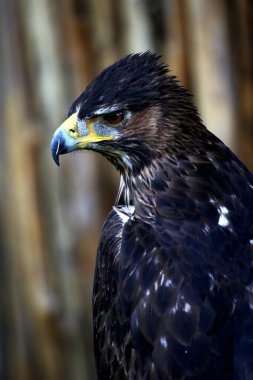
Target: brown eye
<point>114,117</point>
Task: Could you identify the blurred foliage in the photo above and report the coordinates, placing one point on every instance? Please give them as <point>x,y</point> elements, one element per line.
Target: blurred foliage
<point>51,218</point>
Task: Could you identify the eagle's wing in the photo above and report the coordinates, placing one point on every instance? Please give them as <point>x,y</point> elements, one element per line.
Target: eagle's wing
<point>184,317</point>
<point>185,277</point>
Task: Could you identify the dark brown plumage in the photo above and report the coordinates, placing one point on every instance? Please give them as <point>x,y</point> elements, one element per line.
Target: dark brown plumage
<point>173,293</point>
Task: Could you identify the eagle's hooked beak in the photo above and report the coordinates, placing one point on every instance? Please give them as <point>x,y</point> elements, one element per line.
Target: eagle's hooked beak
<point>67,139</point>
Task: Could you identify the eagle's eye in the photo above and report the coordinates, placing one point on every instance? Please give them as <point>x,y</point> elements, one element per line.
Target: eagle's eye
<point>114,117</point>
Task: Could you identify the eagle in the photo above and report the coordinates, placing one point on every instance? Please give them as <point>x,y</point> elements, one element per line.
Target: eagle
<point>173,284</point>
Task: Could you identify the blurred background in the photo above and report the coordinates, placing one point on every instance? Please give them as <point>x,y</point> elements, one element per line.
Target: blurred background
<point>50,217</point>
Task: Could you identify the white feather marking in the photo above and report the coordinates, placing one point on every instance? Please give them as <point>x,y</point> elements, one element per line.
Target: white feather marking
<point>187,307</point>
<point>124,188</point>
<point>104,110</point>
<point>223,210</point>
<point>78,107</point>
<point>121,188</point>
<point>206,229</point>
<point>212,281</point>
<point>174,309</point>
<point>168,283</point>
<point>234,305</point>
<point>163,341</point>
<point>124,212</point>
<point>223,220</point>
<point>127,161</point>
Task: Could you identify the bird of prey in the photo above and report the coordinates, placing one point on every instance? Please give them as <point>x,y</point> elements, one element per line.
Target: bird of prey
<point>173,286</point>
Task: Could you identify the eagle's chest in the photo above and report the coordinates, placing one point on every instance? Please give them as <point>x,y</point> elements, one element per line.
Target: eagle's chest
<point>111,322</point>
<point>107,265</point>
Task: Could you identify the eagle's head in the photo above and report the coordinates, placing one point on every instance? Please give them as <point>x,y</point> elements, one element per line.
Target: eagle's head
<point>132,112</point>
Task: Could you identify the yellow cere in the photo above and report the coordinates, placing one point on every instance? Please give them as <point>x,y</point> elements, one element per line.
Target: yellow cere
<point>70,125</point>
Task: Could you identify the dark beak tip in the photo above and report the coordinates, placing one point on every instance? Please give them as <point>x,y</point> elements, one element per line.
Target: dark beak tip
<point>56,160</point>
<point>55,150</point>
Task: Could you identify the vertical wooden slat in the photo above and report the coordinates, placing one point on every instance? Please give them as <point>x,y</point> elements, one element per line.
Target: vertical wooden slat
<point>136,35</point>
<point>210,64</point>
<point>241,31</point>
<point>32,303</point>
<point>176,46</point>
